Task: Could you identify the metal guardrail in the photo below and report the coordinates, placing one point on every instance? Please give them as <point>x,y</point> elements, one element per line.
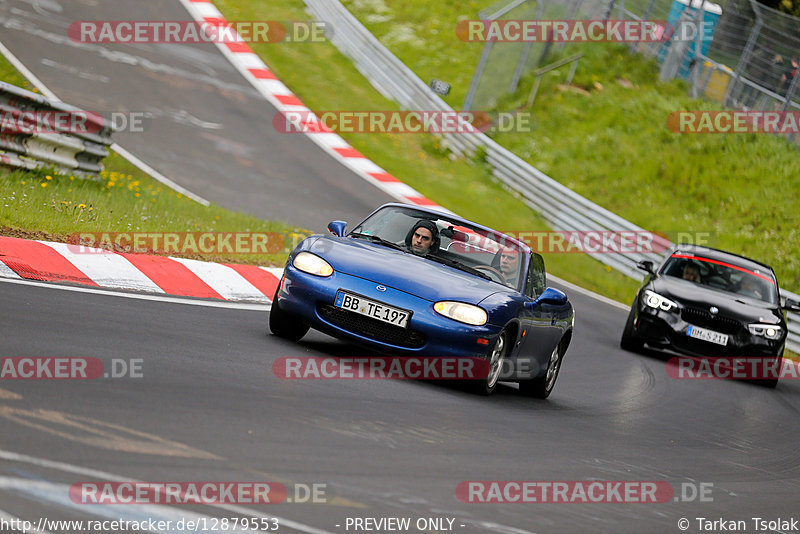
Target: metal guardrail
<point>559,206</point>
<point>37,132</point>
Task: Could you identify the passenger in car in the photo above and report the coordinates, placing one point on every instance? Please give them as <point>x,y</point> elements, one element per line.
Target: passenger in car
<point>509,265</point>
<point>691,272</point>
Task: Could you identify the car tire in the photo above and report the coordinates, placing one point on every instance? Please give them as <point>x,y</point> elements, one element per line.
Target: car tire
<point>495,358</point>
<point>772,383</point>
<point>541,387</point>
<point>284,324</point>
<point>629,341</point>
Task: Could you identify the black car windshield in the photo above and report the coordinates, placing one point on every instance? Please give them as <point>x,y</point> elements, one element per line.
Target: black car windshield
<point>494,255</point>
<point>751,283</point>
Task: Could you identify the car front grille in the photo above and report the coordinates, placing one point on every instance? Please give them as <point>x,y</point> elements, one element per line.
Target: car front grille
<point>705,319</point>
<point>371,328</point>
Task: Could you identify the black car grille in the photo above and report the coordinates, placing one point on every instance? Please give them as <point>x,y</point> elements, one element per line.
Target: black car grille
<point>705,319</point>
<point>371,328</point>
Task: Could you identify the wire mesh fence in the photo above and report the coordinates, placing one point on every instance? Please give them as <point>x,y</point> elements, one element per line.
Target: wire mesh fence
<point>502,65</point>
<point>750,62</point>
<point>736,52</point>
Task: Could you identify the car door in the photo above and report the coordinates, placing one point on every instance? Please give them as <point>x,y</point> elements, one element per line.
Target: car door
<point>541,326</point>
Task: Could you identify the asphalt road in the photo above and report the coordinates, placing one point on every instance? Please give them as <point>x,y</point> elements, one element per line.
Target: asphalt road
<point>206,129</point>
<point>207,406</point>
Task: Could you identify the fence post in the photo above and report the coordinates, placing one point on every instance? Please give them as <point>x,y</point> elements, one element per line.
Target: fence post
<point>476,78</point>
<point>609,8</point>
<point>573,13</point>
<point>698,44</point>
<point>649,10</point>
<point>523,57</point>
<point>748,49</point>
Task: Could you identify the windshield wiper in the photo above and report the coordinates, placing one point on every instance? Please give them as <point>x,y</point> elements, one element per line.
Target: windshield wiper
<point>459,265</point>
<point>379,240</point>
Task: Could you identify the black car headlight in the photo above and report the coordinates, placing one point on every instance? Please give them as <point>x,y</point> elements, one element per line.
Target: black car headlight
<point>769,331</point>
<point>312,264</point>
<point>656,301</point>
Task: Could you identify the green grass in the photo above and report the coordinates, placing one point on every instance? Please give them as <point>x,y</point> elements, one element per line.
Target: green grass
<point>45,205</point>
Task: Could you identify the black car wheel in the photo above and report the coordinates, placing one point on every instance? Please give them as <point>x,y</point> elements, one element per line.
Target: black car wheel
<point>495,359</point>
<point>772,383</point>
<point>629,341</point>
<point>284,324</point>
<point>542,386</point>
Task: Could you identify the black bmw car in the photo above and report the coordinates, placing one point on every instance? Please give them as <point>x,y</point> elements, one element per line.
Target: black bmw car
<point>702,302</point>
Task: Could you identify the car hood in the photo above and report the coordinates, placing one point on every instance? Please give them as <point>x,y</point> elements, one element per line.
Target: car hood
<point>403,271</point>
<point>730,305</point>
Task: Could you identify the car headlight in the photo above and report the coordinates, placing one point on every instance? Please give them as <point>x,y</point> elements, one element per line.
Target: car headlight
<point>461,312</point>
<point>654,300</point>
<point>312,264</point>
<point>769,331</point>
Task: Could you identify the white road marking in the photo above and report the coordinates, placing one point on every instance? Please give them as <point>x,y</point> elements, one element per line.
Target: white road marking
<point>58,493</point>
<point>13,519</point>
<point>156,298</point>
<point>157,175</point>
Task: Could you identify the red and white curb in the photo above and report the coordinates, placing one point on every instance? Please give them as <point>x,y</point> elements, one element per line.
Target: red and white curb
<point>59,262</point>
<point>267,84</point>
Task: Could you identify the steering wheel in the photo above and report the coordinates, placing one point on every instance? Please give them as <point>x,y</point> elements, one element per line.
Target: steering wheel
<point>493,273</point>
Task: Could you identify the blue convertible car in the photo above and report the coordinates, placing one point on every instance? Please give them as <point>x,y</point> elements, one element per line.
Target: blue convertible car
<point>418,282</point>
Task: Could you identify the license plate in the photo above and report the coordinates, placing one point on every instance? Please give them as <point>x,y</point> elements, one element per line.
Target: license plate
<point>707,335</point>
<point>370,308</point>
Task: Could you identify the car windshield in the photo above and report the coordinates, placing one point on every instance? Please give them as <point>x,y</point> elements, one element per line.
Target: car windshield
<point>493,255</point>
<point>742,281</point>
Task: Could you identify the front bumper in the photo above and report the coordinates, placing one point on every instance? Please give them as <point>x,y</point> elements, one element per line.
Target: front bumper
<point>668,331</point>
<point>427,334</point>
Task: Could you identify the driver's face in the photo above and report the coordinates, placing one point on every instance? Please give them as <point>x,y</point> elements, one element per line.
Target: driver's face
<point>421,240</point>
<point>509,260</point>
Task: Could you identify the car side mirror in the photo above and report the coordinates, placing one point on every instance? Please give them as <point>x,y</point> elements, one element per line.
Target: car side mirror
<point>791,305</point>
<point>646,265</point>
<point>337,228</point>
<point>550,295</point>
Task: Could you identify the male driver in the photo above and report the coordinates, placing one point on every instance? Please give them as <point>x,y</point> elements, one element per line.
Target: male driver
<point>748,286</point>
<point>423,238</point>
